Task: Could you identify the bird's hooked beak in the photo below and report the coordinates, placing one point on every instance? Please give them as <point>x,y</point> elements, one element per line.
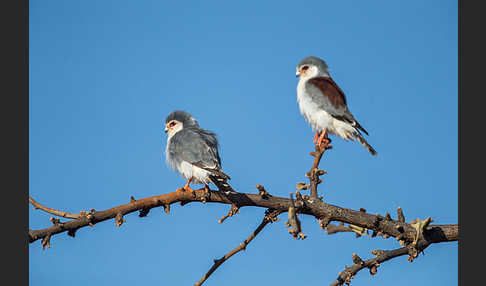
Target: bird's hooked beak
<point>297,73</point>
<point>166,129</point>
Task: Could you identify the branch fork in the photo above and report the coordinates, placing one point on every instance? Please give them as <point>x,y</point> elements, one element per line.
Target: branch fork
<point>414,236</point>
<point>234,210</point>
<point>269,217</point>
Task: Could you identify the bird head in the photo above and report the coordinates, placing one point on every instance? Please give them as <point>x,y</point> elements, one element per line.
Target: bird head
<point>172,127</point>
<point>177,120</point>
<point>311,67</point>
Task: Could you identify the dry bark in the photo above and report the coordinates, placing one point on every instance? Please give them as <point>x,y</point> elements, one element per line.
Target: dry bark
<point>414,236</point>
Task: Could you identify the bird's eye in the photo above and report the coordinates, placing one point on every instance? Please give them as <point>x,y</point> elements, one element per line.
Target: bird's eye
<point>304,68</point>
<point>172,124</point>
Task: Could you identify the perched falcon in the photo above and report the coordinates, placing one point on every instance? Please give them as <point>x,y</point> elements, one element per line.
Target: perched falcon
<point>193,152</point>
<point>323,104</point>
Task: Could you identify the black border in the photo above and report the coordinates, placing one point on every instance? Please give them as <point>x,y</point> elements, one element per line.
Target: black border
<point>15,141</point>
<point>15,135</point>
<point>471,146</point>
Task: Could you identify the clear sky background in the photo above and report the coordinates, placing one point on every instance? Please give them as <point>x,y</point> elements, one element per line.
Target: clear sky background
<point>105,74</point>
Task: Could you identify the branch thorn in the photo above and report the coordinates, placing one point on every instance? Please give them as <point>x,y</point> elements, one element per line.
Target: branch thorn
<point>46,242</point>
<point>166,208</point>
<point>119,220</point>
<point>401,217</point>
<point>144,212</point>
<point>233,210</point>
<point>262,192</point>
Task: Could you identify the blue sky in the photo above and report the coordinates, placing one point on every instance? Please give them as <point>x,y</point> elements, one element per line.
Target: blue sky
<point>105,74</point>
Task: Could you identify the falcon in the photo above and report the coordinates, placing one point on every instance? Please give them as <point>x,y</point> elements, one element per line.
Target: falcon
<point>193,152</point>
<point>323,104</point>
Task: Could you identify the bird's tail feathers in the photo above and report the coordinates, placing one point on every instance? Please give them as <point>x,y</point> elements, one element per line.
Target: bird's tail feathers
<point>365,143</point>
<point>222,183</point>
<point>357,125</point>
<point>220,174</point>
<point>218,177</point>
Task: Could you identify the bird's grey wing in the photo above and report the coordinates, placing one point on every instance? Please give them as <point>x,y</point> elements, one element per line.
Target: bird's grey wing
<point>196,146</point>
<point>327,94</point>
<point>200,148</point>
<point>211,142</point>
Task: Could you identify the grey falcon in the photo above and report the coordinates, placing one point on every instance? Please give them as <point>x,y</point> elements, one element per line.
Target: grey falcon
<point>193,152</point>
<point>324,106</point>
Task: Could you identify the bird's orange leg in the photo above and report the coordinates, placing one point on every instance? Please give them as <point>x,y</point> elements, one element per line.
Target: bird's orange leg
<point>323,138</point>
<point>316,136</point>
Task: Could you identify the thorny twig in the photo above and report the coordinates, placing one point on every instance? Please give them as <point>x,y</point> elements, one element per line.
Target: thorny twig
<point>314,173</point>
<point>294,222</point>
<point>400,215</point>
<point>359,231</point>
<point>373,263</point>
<point>326,212</point>
<point>37,205</point>
<point>414,236</point>
<point>270,216</point>
<point>412,248</point>
<point>262,192</point>
<point>406,233</point>
<point>234,210</point>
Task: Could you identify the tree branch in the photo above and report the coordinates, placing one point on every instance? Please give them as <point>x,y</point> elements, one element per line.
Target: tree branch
<point>314,173</point>
<point>414,236</point>
<point>373,263</point>
<point>332,229</point>
<point>316,208</point>
<point>37,205</point>
<point>234,210</point>
<point>270,216</point>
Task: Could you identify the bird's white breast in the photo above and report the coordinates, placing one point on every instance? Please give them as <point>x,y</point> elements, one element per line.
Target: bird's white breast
<point>198,175</point>
<point>318,118</point>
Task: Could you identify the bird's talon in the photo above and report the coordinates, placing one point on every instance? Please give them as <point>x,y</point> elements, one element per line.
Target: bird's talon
<point>188,189</point>
<point>323,139</point>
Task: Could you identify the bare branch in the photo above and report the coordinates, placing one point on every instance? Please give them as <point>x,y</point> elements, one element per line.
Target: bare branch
<point>37,205</point>
<point>294,222</point>
<point>359,231</point>
<point>262,192</point>
<point>314,173</point>
<point>414,236</point>
<point>234,210</point>
<point>316,208</point>
<point>373,263</point>
<point>270,216</point>
<point>332,228</point>
<point>119,220</point>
